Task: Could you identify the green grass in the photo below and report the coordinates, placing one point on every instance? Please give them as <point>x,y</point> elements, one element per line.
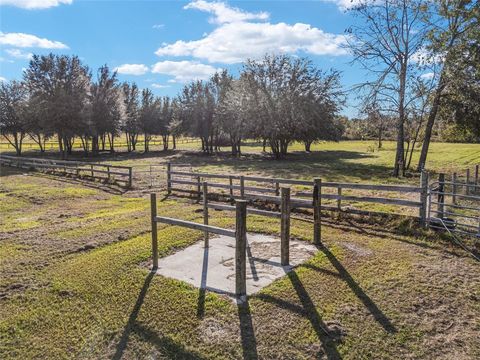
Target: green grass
<point>77,285</point>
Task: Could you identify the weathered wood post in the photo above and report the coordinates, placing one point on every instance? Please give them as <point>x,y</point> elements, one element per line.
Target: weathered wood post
<point>169,178</point>
<point>240,249</point>
<point>467,182</point>
<point>441,195</point>
<point>423,198</point>
<point>205,210</point>
<point>108,172</point>
<point>339,200</point>
<point>129,177</point>
<point>91,169</point>
<point>317,226</point>
<point>199,189</point>
<point>285,227</point>
<point>454,188</point>
<point>153,207</point>
<point>230,180</point>
<point>242,187</point>
<point>277,188</point>
<point>476,174</point>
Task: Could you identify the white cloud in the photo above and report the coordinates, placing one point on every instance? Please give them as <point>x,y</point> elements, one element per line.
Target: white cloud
<point>224,13</point>
<point>349,4</point>
<point>132,69</point>
<point>2,79</point>
<point>427,76</point>
<point>158,26</point>
<point>18,54</point>
<point>423,57</point>
<point>34,4</point>
<point>184,71</point>
<point>160,86</point>
<point>236,38</point>
<point>22,40</point>
<point>235,42</point>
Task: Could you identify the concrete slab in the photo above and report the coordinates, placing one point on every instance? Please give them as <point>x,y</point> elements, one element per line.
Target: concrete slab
<point>213,268</point>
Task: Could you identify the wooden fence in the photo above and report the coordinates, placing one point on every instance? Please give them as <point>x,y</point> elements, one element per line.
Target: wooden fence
<point>121,175</point>
<point>268,189</point>
<point>239,234</point>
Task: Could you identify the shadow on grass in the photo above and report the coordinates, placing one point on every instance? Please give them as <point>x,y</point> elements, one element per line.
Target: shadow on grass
<point>247,332</point>
<point>122,344</point>
<point>308,310</point>
<point>203,286</point>
<point>378,315</point>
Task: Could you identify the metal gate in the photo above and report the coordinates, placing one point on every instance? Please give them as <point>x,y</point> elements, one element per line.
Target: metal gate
<point>454,206</point>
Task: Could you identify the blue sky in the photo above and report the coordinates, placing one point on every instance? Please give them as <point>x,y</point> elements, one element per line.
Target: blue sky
<point>163,44</point>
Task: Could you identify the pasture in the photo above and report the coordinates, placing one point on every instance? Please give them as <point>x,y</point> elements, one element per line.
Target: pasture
<point>75,259</point>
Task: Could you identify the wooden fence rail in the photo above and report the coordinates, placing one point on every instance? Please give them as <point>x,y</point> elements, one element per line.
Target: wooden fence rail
<point>114,173</point>
<point>258,192</point>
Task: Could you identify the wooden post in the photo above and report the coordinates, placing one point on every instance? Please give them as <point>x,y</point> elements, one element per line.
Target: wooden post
<point>423,198</point>
<point>205,210</point>
<point>242,187</point>
<point>441,196</point>
<point>230,179</point>
<point>285,227</point>
<point>317,216</point>
<point>277,189</point>
<point>108,172</point>
<point>129,177</point>
<point>454,188</point>
<point>339,200</point>
<point>91,169</point>
<point>476,174</point>
<point>153,207</point>
<point>199,189</point>
<point>169,178</point>
<point>467,183</point>
<point>240,249</point>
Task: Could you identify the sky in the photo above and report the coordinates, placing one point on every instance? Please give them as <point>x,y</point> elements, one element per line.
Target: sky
<point>164,44</point>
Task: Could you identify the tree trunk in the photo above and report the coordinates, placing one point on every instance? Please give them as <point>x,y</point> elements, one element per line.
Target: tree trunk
<point>399,166</point>
<point>174,139</point>
<point>380,138</point>
<point>307,145</point>
<point>428,129</point>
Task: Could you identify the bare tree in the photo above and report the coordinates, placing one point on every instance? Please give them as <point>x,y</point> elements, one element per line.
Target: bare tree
<point>390,33</point>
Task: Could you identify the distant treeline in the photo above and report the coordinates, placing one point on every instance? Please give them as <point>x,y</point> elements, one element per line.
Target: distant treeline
<point>278,100</point>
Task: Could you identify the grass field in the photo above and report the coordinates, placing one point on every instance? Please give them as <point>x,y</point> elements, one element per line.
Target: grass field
<point>75,281</point>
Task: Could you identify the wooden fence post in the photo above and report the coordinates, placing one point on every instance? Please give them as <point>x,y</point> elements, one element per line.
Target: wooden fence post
<point>91,169</point>
<point>317,226</point>
<point>230,181</point>
<point>277,189</point>
<point>129,177</point>
<point>169,178</point>
<point>242,187</point>
<point>205,210</point>
<point>441,195</point>
<point>240,249</point>
<point>467,183</point>
<point>476,174</point>
<point>285,227</point>
<point>199,189</point>
<point>108,172</point>
<point>454,188</point>
<point>339,200</point>
<point>153,207</point>
<point>423,198</point>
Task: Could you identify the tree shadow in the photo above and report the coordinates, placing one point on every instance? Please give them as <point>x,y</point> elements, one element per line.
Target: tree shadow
<point>122,344</point>
<point>247,332</point>
<point>376,312</point>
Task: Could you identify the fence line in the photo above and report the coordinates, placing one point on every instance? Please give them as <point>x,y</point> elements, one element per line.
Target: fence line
<point>258,192</point>
<point>114,173</point>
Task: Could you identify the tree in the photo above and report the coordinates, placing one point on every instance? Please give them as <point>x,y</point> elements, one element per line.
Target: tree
<point>451,29</point>
<point>293,100</point>
<point>62,83</point>
<point>13,126</point>
<point>389,35</point>
<point>130,115</point>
